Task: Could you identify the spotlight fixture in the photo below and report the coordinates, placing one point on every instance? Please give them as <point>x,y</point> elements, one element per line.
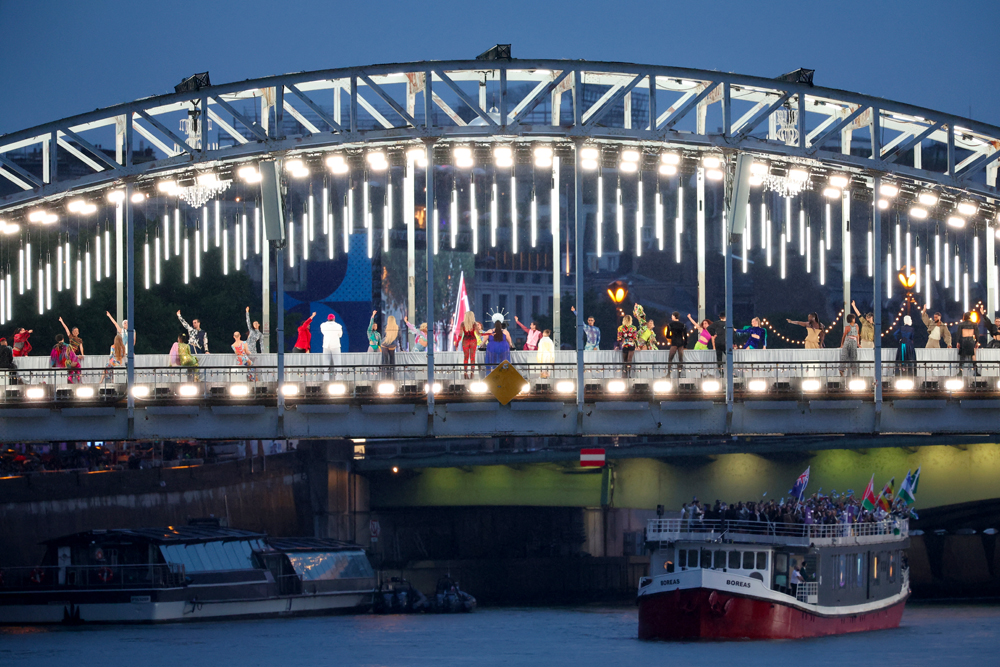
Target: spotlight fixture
<point>565,386</point>
<point>955,221</point>
<point>670,158</point>
<point>927,198</point>
<point>888,190</point>
<point>968,208</point>
<point>798,175</point>
<point>839,181</point>
<point>917,212</point>
<point>711,162</point>
<point>668,169</point>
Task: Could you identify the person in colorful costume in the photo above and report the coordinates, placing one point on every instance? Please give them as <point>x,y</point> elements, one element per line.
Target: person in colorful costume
<point>756,335</point>
<point>116,359</point>
<point>303,344</point>
<point>254,335</point>
<point>180,355</point>
<point>592,334</point>
<point>63,356</point>
<point>197,338</point>
<point>546,353</point>
<point>420,335</point>
<point>21,345</point>
<point>906,353</point>
<point>374,337</point>
<point>704,333</point>
<point>627,340</point>
<point>73,338</point>
<point>534,334</point>
<point>242,352</point>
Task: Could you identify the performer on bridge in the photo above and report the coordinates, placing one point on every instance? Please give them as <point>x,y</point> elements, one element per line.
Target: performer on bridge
<point>469,344</point>
<point>374,337</point>
<point>497,347</point>
<point>116,358</point>
<point>534,334</point>
<point>332,332</point>
<point>718,331</point>
<point>849,344</point>
<point>420,334</point>
<point>303,344</point>
<point>647,330</point>
<point>906,354</point>
<point>815,334</point>
<point>591,333</point>
<point>21,345</point>
<point>967,344</point>
<point>627,338</point>
<point>867,327</point>
<point>253,334</point>
<point>938,334</point>
<point>390,342</point>
<point>704,333</point>
<point>63,356</point>
<point>756,335</point>
<point>242,352</point>
<point>677,340</point>
<point>122,330</point>
<point>7,365</point>
<point>180,355</point>
<point>546,354</point>
<point>197,339</point>
<point>73,336</point>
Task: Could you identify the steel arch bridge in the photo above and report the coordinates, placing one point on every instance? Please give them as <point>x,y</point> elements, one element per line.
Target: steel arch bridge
<point>664,114</point>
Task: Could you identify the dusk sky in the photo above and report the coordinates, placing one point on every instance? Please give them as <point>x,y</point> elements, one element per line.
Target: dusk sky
<point>63,58</point>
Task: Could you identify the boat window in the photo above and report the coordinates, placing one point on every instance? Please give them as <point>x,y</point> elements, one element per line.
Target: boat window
<point>761,560</point>
<point>842,570</point>
<point>720,560</point>
<point>692,558</point>
<point>329,566</point>
<point>860,568</point>
<point>681,558</point>
<point>781,562</point>
<point>875,569</point>
<point>748,560</point>
<point>706,559</point>
<point>892,566</point>
<point>211,556</point>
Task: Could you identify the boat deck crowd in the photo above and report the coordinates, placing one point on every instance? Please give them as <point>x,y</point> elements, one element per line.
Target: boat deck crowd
<point>816,509</point>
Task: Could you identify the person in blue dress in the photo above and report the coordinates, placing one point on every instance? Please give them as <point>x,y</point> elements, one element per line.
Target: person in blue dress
<point>497,348</point>
<point>756,335</point>
<point>906,353</point>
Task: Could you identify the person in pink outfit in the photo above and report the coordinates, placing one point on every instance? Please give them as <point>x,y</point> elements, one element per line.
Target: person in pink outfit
<point>534,335</point>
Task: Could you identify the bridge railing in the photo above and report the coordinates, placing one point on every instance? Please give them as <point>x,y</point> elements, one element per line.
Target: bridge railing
<point>661,530</point>
<point>770,380</point>
<point>92,576</point>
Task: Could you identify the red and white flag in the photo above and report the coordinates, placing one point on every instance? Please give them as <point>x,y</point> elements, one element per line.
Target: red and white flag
<point>591,458</point>
<point>461,308</point>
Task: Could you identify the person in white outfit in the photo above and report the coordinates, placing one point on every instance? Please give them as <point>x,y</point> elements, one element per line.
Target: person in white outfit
<point>332,332</point>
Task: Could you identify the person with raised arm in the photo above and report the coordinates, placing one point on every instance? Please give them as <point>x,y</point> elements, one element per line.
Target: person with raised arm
<point>63,356</point>
<point>122,329</point>
<point>591,333</point>
<point>814,331</point>
<point>938,334</point>
<point>253,334</point>
<point>849,344</point>
<point>704,333</point>
<point>534,334</point>
<point>21,345</point>
<point>303,343</point>
<point>419,333</point>
<point>374,337</point>
<point>197,338</point>
<point>867,327</point>
<point>73,338</point>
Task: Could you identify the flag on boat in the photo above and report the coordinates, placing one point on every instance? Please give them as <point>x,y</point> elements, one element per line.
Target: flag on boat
<point>908,489</point>
<point>800,485</point>
<point>591,458</point>
<point>868,501</point>
<point>886,497</point>
<point>461,307</point>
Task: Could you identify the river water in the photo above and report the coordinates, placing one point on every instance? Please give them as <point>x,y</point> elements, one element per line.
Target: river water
<point>577,636</point>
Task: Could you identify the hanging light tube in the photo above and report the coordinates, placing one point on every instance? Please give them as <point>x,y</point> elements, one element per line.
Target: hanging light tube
<point>513,211</point>
<point>965,291</point>
<point>638,219</point>
<point>177,232</point>
<point>20,271</point>
<point>888,274</point>
<point>197,254</point>
<point>600,216</point>
<point>330,236</point>
<point>748,228</point>
<point>534,221</point>
<point>48,285</point>
<point>69,265</point>
<point>802,232</point>
<point>916,265</point>
<point>829,227</point>
<point>107,253</point>
<point>871,253</point>
<point>453,214</point>
<point>899,247</point>
<point>156,259</point>
<point>305,238</point>
<point>346,227</point>
<point>3,302</point>
<point>326,210</point>
<point>808,239</point>
<point>493,215</point>
<point>763,227</point>
<point>620,219</point>
<point>937,256</point>
<point>349,227</point>
<point>975,259</point>
<point>784,242</point>
<point>947,260</point>
<point>847,255</point>
<point>145,264</point>
<point>166,236</point>
<point>97,259</point>
<point>746,248</point>
<point>59,268</point>
<point>927,279</point>
<point>243,236</point>
<point>958,283</point>
<point>86,271</point>
<point>10,301</point>
<point>679,223</point>
<point>204,229</point>
<point>291,243</point>
<point>312,216</point>
<point>225,250</point>
<point>909,256</point>
<point>79,282</point>
<point>41,292</point>
<point>822,262</point>
<point>788,219</point>
<point>768,244</point>
<point>474,216</point>
<point>218,223</point>
<point>388,203</point>
<point>659,220</point>
<point>236,251</point>
<point>256,231</point>
<point>385,226</point>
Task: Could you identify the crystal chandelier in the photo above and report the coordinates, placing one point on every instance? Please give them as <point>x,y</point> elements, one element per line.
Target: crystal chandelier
<point>207,186</point>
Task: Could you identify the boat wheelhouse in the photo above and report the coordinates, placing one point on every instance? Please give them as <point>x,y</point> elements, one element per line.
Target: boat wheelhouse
<point>185,573</point>
<point>739,579</point>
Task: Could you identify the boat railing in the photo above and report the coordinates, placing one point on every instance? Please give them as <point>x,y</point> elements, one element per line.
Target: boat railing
<point>714,530</point>
<point>808,592</point>
<point>48,577</point>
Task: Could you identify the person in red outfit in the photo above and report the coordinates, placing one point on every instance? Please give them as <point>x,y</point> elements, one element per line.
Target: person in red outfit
<point>304,341</point>
<point>21,345</point>
<point>534,334</point>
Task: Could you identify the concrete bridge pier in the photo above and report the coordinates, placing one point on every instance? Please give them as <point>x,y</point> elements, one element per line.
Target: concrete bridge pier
<point>338,498</point>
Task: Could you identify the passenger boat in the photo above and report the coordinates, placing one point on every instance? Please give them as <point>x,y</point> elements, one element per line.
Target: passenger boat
<point>733,579</point>
<point>185,573</point>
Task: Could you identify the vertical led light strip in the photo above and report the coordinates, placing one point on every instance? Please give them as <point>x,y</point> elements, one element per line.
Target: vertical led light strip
<point>225,250</point>
<point>305,238</point>
<point>871,253</point>
<point>156,259</point>
<point>97,259</point>
<point>48,285</point>
<point>385,225</point>
<point>197,254</point>
<point>218,223</point>
<point>784,241</point>
<point>166,236</point>
<point>899,246</point>
<point>347,223</point>
<point>349,227</point>
<point>767,244</point>
<point>927,278</point>
<point>846,260</point>
<point>822,262</point>
<point>312,216</point>
<point>975,259</point>
<point>41,292</point>
<point>79,282</point>
<point>764,237</point>
<point>958,283</point>
<point>513,211</point>
<point>916,264</point>
<point>388,203</point>
<point>20,271</point>
<point>86,271</point>
<point>3,301</point>
<point>177,232</point>
<point>746,247</point>
<point>534,221</point>
<point>808,239</point>
<point>330,235</point>
<point>620,218</point>
<point>243,236</point>
<point>236,250</point>
<point>947,259</point>
<point>748,228</point>
<point>474,216</point>
<point>187,260</point>
<point>291,243</point>
<point>107,253</point>
<point>888,274</point>
<point>204,229</point>
<point>679,222</point>
<point>256,231</point>
<point>27,259</point>
<point>638,218</point>
<point>600,216</point>
<point>453,214</point>
<point>326,210</point>
<point>802,232</point>
<point>145,260</point>
<point>829,228</point>
<point>10,301</point>
<point>909,255</point>
<point>659,220</point>
<point>493,214</point>
<point>788,220</point>
<point>937,256</point>
<point>59,268</point>
<point>366,213</point>
<point>965,291</point>
<point>69,265</point>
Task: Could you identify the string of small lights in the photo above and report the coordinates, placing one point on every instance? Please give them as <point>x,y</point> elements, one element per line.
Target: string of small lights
<point>786,339</point>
